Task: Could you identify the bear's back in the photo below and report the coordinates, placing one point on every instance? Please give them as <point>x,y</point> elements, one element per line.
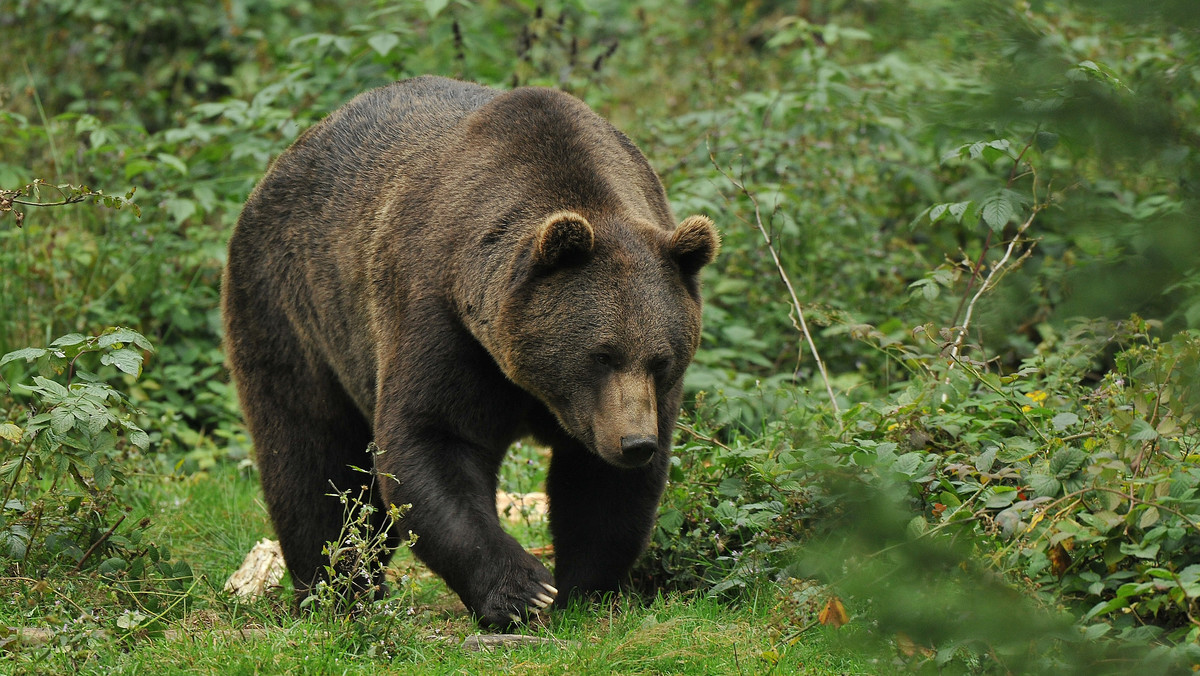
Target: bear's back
<point>346,157</point>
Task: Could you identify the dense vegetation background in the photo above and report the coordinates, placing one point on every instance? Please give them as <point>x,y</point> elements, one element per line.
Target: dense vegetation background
<point>948,385</point>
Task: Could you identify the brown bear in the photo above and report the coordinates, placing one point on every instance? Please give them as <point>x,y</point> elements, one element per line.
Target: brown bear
<point>443,268</point>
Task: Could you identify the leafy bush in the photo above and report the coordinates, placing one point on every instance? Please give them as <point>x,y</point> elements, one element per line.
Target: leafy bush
<point>64,461</point>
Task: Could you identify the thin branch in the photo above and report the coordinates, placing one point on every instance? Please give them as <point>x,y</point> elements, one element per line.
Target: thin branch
<point>988,283</point>
<point>97,543</point>
<point>701,436</point>
<point>797,310</point>
<point>69,200</point>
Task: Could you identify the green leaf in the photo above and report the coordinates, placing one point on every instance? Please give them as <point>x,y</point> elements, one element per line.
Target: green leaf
<point>102,477</point>
<point>125,359</point>
<point>987,459</point>
<point>908,464</point>
<point>731,487</point>
<point>1141,430</point>
<point>1001,496</point>
<point>130,619</point>
<point>61,420</point>
<point>1103,520</point>
<point>28,354</point>
<point>173,162</point>
<point>937,212</point>
<point>1189,580</point>
<point>1140,551</point>
<point>1064,420</point>
<point>671,521</point>
<point>69,340</point>
<point>180,209</point>
<point>995,150</point>
<point>1044,485</point>
<point>112,565</point>
<point>1045,140</point>
<point>383,43</point>
<point>10,432</point>
<point>1149,517</point>
<point>120,334</point>
<point>997,209</point>
<point>959,208</point>
<point>139,438</point>
<point>1066,461</point>
<point>435,7</point>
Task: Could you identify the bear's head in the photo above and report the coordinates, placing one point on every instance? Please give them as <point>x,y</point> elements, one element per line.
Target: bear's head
<point>601,324</point>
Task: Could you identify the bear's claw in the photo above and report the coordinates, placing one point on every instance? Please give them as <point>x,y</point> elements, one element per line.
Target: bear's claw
<point>549,588</point>
<point>543,601</point>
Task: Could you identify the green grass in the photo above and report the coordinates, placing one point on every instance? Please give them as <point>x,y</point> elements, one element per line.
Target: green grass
<point>211,519</point>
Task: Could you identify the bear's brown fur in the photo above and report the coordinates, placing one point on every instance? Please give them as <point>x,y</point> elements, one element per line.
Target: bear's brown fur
<point>443,268</point>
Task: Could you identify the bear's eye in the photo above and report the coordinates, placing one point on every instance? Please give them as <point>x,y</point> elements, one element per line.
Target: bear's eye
<point>604,359</point>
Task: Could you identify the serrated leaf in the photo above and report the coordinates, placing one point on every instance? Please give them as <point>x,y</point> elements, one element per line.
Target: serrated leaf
<point>994,150</point>
<point>61,421</point>
<point>69,340</point>
<point>11,432</point>
<point>96,422</point>
<point>120,334</point>
<point>125,359</point>
<point>383,43</point>
<point>28,354</point>
<point>1066,461</point>
<point>959,208</point>
<point>1063,420</point>
<point>984,462</point>
<point>1044,485</point>
<point>908,464</point>
<point>1149,517</point>
<point>103,443</point>
<point>1103,520</point>
<point>997,210</point>
<point>731,487</point>
<point>102,477</point>
<point>139,438</point>
<point>1141,430</point>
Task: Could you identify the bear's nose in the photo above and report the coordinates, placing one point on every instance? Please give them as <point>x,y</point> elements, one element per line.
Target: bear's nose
<point>638,449</point>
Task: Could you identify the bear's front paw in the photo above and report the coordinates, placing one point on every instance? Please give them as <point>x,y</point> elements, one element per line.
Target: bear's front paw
<point>515,595</point>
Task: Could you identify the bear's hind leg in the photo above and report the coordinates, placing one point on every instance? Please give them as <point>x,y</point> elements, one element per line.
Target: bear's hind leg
<point>307,435</point>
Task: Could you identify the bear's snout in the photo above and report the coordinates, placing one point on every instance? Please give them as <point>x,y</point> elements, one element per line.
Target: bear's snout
<point>637,450</point>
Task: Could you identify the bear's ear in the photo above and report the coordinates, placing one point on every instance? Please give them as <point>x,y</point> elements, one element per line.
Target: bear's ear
<point>694,244</point>
<point>564,237</point>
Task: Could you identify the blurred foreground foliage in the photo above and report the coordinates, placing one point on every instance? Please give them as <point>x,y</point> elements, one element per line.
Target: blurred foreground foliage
<point>987,210</point>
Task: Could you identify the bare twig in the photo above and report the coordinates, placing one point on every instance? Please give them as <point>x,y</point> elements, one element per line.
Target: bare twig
<point>988,283</point>
<point>701,436</point>
<point>97,543</point>
<point>797,310</point>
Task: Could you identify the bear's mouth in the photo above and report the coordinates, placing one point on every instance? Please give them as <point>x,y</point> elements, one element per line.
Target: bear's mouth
<point>627,451</point>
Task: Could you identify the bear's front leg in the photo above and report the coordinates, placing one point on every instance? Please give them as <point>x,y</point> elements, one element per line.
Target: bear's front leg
<point>451,485</point>
<point>601,518</point>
